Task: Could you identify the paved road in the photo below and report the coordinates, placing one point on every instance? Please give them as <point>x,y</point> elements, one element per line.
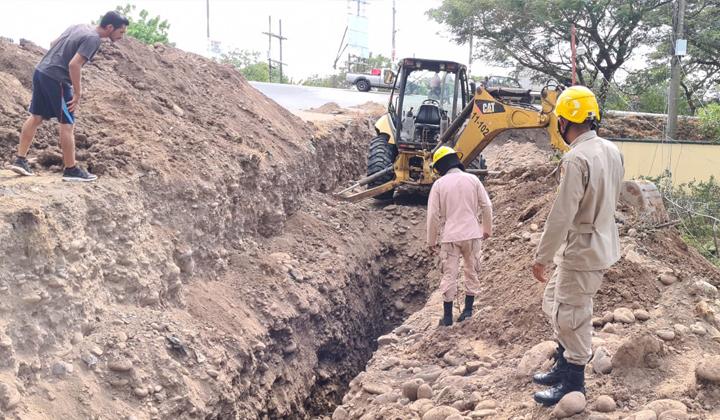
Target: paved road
<point>298,98</point>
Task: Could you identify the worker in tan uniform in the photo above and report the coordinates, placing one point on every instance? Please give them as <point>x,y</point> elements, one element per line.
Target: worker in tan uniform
<point>580,237</point>
<point>459,218</point>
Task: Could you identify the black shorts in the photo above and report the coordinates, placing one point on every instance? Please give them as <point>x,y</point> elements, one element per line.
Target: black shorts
<point>50,98</point>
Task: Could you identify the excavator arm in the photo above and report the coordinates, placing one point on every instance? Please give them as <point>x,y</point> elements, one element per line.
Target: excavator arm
<point>479,123</point>
<point>485,118</point>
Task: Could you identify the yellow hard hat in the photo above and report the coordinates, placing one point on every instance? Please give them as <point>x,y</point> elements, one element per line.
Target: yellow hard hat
<point>442,152</point>
<point>577,104</point>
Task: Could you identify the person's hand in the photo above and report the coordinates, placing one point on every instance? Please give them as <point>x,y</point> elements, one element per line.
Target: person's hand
<point>485,236</point>
<point>74,102</point>
<point>538,270</point>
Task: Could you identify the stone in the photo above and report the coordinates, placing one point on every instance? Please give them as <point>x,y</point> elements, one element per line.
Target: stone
<point>708,370</point>
<point>455,417</point>
<point>602,365</point>
<point>486,405</point>
<point>608,317</point>
<point>641,314</point>
<point>609,328</point>
<point>9,397</point>
<point>704,288</point>
<point>122,365</point>
<point>410,389</point>
<point>440,413</point>
<point>459,371</point>
<point>377,389</point>
<point>61,369</point>
<point>473,366</point>
<point>212,373</point>
<point>140,392</point>
<point>645,415</point>
<point>384,340</point>
<point>424,391</point>
<point>340,414</point>
<point>535,357</point>
<point>97,351</point>
<point>430,375</point>
<point>386,398</point>
<point>77,338</point>
<point>667,278</point>
<point>479,414</point>
<point>89,359</point>
<point>624,315</point>
<point>571,404</point>
<point>667,335</point>
<point>698,329</point>
<point>673,415</point>
<point>604,404</point>
<point>661,406</point>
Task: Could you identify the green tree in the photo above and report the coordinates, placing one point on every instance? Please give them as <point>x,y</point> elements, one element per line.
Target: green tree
<point>144,29</point>
<point>710,122</point>
<point>250,65</point>
<point>535,34</point>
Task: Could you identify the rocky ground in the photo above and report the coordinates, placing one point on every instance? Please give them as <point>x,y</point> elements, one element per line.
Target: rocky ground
<point>210,273</point>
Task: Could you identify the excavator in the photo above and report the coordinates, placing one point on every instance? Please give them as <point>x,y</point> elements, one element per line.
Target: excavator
<point>433,103</point>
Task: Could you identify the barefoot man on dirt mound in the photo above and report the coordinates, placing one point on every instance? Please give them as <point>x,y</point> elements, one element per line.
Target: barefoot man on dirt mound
<point>57,90</point>
<point>458,203</point>
<point>580,237</point>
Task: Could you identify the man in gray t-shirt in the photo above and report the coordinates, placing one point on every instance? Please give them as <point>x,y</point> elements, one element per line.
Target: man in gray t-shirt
<point>57,90</point>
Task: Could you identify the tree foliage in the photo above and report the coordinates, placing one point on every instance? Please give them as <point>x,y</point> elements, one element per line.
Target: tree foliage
<point>143,28</point>
<point>250,65</point>
<point>710,121</point>
<point>535,34</point>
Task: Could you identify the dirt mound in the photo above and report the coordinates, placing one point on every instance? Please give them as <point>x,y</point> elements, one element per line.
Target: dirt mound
<point>153,109</point>
<point>648,127</point>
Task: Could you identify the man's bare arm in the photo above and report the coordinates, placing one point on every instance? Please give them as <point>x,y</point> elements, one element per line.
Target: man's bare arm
<point>75,68</point>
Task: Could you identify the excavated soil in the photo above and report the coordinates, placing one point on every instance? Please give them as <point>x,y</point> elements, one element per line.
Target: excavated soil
<point>209,273</point>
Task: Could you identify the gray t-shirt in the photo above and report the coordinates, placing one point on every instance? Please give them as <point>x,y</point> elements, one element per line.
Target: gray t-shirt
<point>80,39</point>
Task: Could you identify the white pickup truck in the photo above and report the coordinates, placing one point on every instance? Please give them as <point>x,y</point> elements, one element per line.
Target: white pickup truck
<point>380,78</point>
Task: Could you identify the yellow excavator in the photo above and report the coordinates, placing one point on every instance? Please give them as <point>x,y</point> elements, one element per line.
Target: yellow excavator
<point>433,103</point>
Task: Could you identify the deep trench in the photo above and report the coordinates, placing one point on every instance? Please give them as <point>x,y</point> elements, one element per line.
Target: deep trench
<point>373,287</point>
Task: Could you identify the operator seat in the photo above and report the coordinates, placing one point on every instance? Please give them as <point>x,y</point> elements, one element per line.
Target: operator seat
<point>427,123</point>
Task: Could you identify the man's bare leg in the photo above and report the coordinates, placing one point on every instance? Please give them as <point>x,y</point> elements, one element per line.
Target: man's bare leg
<point>67,144</point>
<point>27,134</point>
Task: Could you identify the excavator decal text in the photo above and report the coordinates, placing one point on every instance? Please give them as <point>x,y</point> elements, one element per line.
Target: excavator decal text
<point>480,124</point>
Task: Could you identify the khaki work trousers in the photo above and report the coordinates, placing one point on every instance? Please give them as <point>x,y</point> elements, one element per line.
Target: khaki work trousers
<point>568,302</point>
<point>450,252</point>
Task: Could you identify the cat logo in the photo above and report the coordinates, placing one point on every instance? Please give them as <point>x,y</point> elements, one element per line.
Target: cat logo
<point>489,107</point>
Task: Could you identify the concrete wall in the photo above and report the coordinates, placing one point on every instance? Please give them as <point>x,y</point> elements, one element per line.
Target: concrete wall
<point>686,161</point>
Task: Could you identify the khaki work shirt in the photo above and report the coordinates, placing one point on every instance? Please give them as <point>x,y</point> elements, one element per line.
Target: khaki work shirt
<point>460,206</point>
<point>580,231</point>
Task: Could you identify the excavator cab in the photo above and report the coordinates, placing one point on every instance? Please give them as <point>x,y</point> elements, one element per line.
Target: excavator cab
<point>427,96</point>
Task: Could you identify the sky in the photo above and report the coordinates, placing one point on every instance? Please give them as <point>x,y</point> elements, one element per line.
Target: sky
<point>314,28</point>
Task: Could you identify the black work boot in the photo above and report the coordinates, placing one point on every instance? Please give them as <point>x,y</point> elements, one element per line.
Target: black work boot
<point>573,380</point>
<point>558,370</point>
<point>467,312</point>
<point>446,320</point>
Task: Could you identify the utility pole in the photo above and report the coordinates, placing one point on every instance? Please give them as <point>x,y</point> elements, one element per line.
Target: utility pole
<point>281,38</point>
<point>207,14</point>
<point>393,37</point>
<point>470,56</point>
<point>678,49</point>
<point>573,53</point>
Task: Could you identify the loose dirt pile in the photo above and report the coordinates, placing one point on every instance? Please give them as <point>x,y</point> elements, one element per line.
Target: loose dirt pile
<point>640,127</point>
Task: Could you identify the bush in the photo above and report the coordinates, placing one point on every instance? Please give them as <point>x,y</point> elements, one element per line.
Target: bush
<point>710,122</point>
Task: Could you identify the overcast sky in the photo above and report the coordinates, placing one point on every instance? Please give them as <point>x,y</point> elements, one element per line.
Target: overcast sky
<point>314,28</point>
